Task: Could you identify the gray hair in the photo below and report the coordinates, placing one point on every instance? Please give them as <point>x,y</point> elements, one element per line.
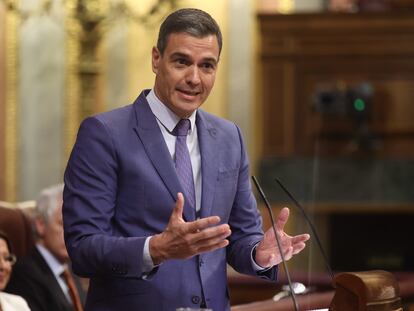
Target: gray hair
<point>47,202</point>
<point>194,22</point>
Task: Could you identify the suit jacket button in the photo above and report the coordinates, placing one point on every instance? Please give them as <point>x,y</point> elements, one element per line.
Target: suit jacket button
<point>195,300</point>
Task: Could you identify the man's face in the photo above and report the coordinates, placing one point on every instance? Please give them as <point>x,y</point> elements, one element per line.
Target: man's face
<point>51,234</point>
<point>185,73</point>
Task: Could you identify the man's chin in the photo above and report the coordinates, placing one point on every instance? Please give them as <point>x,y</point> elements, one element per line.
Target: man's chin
<point>186,108</point>
<point>190,109</point>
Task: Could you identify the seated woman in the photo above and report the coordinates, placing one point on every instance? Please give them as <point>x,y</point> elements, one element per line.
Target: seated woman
<point>8,302</point>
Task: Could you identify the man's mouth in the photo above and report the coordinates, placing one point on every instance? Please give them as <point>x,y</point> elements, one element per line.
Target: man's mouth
<point>189,92</point>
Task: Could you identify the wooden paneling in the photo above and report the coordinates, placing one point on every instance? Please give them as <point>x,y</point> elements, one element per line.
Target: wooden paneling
<point>302,52</point>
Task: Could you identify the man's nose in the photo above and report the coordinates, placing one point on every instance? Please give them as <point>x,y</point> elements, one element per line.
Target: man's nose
<point>193,75</point>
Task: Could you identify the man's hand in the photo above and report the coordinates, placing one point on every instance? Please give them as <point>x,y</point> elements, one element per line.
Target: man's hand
<point>267,252</point>
<point>182,240</point>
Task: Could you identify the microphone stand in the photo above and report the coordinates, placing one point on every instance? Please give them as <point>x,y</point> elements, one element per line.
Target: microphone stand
<point>315,234</point>
<point>279,244</point>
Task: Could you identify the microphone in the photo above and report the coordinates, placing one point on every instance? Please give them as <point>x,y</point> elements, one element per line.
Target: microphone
<point>315,234</point>
<point>279,245</point>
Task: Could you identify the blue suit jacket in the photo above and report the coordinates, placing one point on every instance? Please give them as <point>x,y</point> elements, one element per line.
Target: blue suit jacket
<point>121,187</point>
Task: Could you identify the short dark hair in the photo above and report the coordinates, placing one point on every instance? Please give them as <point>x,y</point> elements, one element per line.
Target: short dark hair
<point>194,22</point>
<point>3,236</point>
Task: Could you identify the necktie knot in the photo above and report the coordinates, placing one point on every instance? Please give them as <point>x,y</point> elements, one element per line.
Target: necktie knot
<point>66,274</point>
<point>182,127</point>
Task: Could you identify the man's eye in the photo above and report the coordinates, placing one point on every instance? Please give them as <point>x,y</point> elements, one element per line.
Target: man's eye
<point>208,66</point>
<point>181,61</point>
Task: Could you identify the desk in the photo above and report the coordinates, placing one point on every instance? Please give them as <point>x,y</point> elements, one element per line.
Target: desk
<point>246,292</point>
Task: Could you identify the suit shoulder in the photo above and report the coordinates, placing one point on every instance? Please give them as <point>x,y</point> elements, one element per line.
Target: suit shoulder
<point>217,122</point>
<point>31,266</point>
<point>114,123</point>
<point>116,116</point>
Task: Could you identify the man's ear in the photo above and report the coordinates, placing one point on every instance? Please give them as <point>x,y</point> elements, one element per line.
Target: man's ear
<point>40,226</point>
<point>156,55</point>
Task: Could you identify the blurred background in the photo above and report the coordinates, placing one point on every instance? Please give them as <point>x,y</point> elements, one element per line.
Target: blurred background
<point>323,91</point>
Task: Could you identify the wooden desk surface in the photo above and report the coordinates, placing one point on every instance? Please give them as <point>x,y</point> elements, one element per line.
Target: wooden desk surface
<point>250,293</point>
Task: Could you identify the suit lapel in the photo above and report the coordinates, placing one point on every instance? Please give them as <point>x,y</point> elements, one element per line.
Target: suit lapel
<point>50,281</point>
<point>151,137</point>
<point>209,165</point>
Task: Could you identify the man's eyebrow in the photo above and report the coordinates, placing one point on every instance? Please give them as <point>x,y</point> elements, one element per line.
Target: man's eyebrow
<point>211,60</point>
<point>186,56</point>
<point>179,54</point>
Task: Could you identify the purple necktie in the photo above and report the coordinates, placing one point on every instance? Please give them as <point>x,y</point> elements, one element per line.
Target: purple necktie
<point>183,160</point>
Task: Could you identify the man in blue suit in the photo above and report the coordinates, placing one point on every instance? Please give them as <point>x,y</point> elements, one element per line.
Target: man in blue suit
<point>153,223</point>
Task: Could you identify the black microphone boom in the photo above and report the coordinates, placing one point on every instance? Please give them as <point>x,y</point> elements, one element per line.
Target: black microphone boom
<point>315,234</point>
<point>279,245</point>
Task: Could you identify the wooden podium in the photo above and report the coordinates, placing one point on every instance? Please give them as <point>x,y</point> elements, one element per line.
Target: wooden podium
<point>354,291</point>
<point>366,291</point>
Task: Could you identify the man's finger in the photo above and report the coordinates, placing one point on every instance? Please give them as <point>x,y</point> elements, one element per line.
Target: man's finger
<point>297,248</point>
<point>214,247</point>
<point>205,236</point>
<point>300,238</point>
<point>282,219</point>
<point>211,243</point>
<point>179,206</point>
<point>203,223</point>
<point>288,253</point>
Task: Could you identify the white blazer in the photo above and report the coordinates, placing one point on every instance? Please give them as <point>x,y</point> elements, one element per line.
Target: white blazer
<point>10,302</point>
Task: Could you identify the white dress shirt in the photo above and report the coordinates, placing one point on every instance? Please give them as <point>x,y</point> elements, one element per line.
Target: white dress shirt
<point>56,267</point>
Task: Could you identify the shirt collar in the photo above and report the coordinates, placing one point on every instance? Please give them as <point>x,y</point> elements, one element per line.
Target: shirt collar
<point>54,265</point>
<point>164,115</point>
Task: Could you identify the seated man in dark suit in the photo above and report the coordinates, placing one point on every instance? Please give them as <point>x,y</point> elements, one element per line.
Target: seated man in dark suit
<point>39,277</point>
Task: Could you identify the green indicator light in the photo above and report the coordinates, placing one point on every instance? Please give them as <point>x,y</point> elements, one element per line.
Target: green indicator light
<point>359,104</point>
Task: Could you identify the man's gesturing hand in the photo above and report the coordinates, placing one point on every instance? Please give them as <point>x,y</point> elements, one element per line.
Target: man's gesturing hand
<point>267,252</point>
<point>182,239</point>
